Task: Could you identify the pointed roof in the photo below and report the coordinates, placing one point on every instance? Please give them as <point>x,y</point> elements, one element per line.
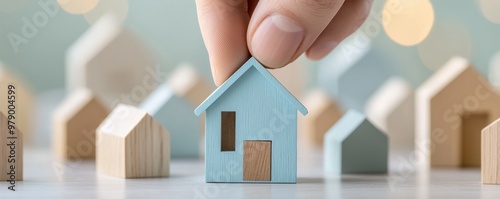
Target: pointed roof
<point>75,102</point>
<point>122,120</point>
<point>348,124</point>
<point>492,126</point>
<point>455,67</point>
<point>252,62</point>
<point>157,99</point>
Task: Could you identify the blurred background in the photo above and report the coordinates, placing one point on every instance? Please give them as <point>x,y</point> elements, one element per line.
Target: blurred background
<point>421,36</point>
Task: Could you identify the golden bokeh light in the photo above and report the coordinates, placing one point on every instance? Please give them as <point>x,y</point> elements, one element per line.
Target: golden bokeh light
<point>11,6</point>
<point>77,7</point>
<point>119,8</point>
<point>490,10</point>
<point>446,40</point>
<point>407,22</point>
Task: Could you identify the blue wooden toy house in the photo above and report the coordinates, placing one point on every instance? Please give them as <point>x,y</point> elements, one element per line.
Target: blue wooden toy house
<point>251,129</point>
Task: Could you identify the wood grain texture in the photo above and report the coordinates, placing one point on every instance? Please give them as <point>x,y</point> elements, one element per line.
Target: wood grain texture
<point>25,102</point>
<point>113,62</point>
<point>454,91</point>
<point>352,77</point>
<point>354,145</point>
<point>228,131</point>
<point>490,153</point>
<point>323,113</point>
<point>82,182</point>
<point>131,144</point>
<point>176,114</point>
<point>392,110</point>
<point>257,160</point>
<point>7,153</point>
<point>74,123</point>
<point>275,120</point>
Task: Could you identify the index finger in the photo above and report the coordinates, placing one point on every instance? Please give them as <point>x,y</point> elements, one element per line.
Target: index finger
<point>223,25</point>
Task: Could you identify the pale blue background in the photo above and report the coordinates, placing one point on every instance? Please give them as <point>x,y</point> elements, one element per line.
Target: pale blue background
<point>170,28</point>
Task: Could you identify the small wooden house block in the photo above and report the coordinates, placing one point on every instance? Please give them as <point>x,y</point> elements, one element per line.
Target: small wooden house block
<point>74,124</point>
<point>323,113</point>
<point>353,145</point>
<point>353,73</point>
<point>452,107</point>
<point>11,151</point>
<point>392,110</point>
<point>131,144</point>
<point>187,83</point>
<point>490,153</point>
<point>112,62</point>
<point>251,128</point>
<point>24,102</point>
<point>176,114</point>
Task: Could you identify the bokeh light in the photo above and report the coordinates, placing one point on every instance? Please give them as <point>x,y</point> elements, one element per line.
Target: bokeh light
<point>77,6</point>
<point>119,8</point>
<point>407,22</point>
<point>10,6</point>
<point>490,10</point>
<point>446,40</point>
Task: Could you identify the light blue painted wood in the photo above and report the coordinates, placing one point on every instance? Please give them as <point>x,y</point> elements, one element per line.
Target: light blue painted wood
<point>264,111</point>
<point>354,145</point>
<point>175,114</point>
<point>251,63</point>
<point>351,74</point>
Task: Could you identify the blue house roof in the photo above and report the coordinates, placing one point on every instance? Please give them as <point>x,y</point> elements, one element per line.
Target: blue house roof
<point>252,62</point>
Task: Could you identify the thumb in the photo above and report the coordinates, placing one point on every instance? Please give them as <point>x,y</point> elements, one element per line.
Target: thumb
<point>280,31</point>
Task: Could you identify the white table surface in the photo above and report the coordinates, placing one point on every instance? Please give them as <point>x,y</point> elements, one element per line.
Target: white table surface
<point>46,178</point>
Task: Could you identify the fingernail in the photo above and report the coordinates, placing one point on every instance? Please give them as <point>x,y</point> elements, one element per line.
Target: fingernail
<point>321,50</point>
<point>276,40</point>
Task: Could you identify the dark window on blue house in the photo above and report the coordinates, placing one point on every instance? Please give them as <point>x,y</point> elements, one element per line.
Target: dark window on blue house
<point>228,131</point>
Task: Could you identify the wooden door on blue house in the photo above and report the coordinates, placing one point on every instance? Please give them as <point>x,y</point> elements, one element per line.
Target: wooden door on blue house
<point>257,160</point>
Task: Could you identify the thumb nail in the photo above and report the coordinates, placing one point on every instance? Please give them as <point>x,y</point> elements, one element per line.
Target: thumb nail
<point>276,40</point>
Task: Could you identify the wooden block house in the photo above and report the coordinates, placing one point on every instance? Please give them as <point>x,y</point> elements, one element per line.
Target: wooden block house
<point>132,144</point>
<point>452,107</point>
<point>113,62</point>
<point>251,129</point>
<point>354,145</point>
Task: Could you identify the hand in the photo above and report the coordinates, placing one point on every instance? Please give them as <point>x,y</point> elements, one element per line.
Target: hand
<point>275,32</point>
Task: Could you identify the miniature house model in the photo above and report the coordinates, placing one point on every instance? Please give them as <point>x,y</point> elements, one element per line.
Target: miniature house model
<point>112,62</point>
<point>74,124</point>
<point>131,144</point>
<point>251,126</point>
<point>323,113</point>
<point>490,153</point>
<point>354,145</point>
<point>392,110</point>
<point>175,114</point>
<point>452,107</point>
